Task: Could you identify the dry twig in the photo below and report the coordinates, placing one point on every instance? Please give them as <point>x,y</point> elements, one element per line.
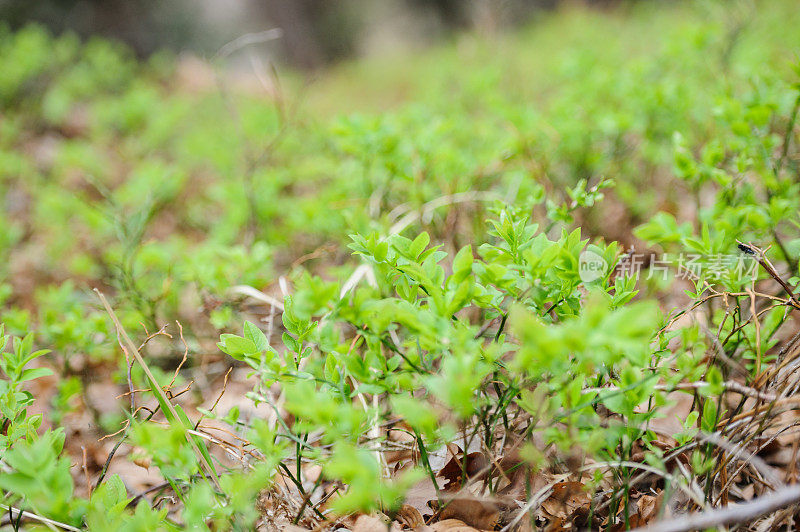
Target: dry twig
<point>732,514</point>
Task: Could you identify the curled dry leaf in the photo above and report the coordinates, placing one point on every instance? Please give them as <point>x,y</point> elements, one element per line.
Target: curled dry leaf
<point>474,512</point>
<point>411,517</point>
<point>142,461</point>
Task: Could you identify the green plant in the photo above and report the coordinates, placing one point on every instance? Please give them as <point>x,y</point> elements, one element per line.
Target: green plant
<point>437,296</point>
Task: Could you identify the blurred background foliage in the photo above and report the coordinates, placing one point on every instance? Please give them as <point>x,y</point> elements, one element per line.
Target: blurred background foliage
<point>315,32</point>
<point>171,179</point>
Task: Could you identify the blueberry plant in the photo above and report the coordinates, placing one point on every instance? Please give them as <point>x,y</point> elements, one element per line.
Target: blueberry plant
<point>316,317</point>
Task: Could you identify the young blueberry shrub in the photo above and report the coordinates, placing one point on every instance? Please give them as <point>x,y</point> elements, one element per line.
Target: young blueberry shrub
<point>37,472</point>
<point>503,344</point>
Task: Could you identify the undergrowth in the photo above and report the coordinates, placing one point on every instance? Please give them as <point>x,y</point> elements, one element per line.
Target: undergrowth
<point>554,287</point>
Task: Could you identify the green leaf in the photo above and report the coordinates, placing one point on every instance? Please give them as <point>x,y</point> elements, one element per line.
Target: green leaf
<point>236,346</point>
<point>708,423</point>
<point>462,263</point>
<point>716,384</point>
<point>256,335</point>
<point>34,373</point>
<point>419,244</point>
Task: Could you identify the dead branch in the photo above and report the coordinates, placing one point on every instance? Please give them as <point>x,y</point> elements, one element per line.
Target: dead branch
<point>732,514</point>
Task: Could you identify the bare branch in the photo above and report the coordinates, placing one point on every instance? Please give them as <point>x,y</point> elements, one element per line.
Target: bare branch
<point>732,514</point>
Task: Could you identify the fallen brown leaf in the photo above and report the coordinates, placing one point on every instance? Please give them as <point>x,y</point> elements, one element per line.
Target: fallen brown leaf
<point>474,512</point>
<point>474,463</point>
<point>566,499</point>
<point>368,523</point>
<point>142,461</point>
<point>558,524</point>
<point>647,511</point>
<point>420,495</point>
<point>452,525</point>
<point>648,507</point>
<point>410,516</point>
